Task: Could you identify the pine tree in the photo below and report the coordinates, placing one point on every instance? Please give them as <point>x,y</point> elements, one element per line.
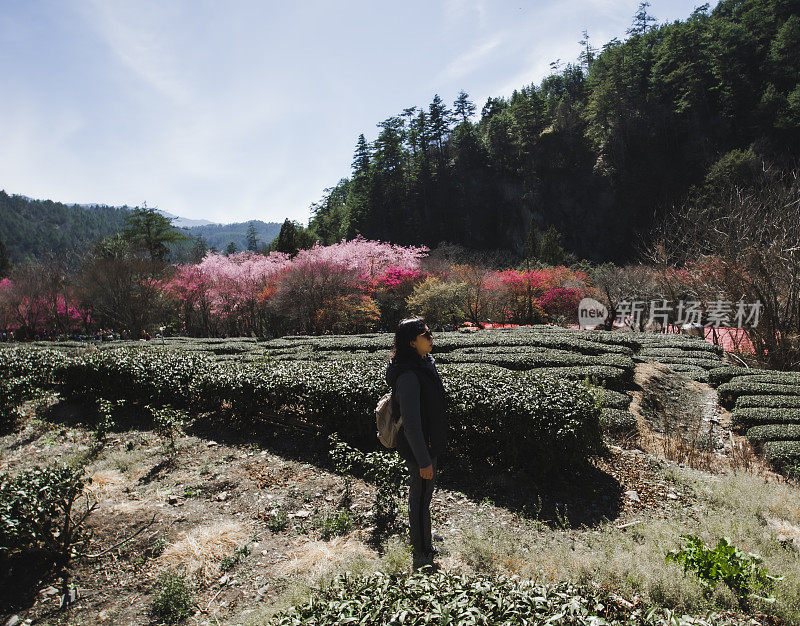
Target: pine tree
<point>5,262</point>
<point>148,230</point>
<point>463,107</point>
<point>641,20</point>
<point>230,248</point>
<point>252,237</point>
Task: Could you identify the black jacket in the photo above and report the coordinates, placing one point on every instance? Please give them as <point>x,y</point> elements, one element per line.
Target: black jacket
<point>420,398</point>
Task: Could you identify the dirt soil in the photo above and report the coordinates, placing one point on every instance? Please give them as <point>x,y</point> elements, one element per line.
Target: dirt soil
<point>206,500</point>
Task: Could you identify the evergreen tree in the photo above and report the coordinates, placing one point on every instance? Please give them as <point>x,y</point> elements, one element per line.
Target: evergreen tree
<point>252,237</point>
<point>5,262</point>
<point>199,249</point>
<point>287,240</point>
<point>463,107</point>
<point>642,21</point>
<point>148,230</point>
<point>438,122</point>
<point>230,248</point>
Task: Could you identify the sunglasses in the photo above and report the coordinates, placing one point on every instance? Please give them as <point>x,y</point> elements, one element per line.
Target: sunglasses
<point>427,334</point>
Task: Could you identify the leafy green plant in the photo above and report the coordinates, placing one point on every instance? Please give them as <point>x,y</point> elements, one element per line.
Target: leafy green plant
<point>335,525</point>
<point>169,422</point>
<point>385,469</point>
<point>227,563</point>
<point>173,599</point>
<point>41,527</point>
<point>278,521</point>
<point>442,598</point>
<point>724,563</point>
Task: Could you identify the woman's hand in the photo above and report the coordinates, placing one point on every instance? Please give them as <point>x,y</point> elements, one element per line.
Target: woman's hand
<point>426,472</point>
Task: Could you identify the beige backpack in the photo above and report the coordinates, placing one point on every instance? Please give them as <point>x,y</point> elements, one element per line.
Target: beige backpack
<point>387,422</point>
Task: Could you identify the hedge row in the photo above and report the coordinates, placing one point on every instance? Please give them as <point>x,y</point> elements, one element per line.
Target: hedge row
<point>609,399</point>
<point>704,363</point>
<point>728,392</point>
<point>774,432</point>
<point>782,453</point>
<point>690,371</point>
<point>753,416</point>
<point>721,375</point>
<point>445,598</point>
<point>769,376</point>
<point>544,421</point>
<point>530,360</point>
<point>768,402</point>
<point>617,422</point>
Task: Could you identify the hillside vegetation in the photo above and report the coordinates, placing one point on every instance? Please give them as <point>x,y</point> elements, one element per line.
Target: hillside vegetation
<point>599,150</point>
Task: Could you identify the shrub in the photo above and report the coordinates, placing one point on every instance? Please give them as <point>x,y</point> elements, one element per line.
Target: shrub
<point>777,402</point>
<point>608,399</point>
<point>335,525</point>
<point>769,376</point>
<point>612,377</point>
<point>774,432</point>
<point>725,563</point>
<point>720,375</point>
<point>13,393</point>
<point>173,599</point>
<point>728,392</point>
<point>758,416</point>
<point>617,422</point>
<point>444,598</point>
<point>35,539</point>
<point>782,453</point>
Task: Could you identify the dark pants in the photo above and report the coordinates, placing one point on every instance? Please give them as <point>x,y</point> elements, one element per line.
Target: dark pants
<point>419,508</point>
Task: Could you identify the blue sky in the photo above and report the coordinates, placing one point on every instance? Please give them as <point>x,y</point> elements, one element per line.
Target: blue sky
<point>246,109</point>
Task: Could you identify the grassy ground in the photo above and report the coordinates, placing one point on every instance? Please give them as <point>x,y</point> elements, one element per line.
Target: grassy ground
<point>252,528</point>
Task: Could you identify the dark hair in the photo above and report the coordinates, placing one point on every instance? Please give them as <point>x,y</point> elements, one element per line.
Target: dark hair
<point>407,330</point>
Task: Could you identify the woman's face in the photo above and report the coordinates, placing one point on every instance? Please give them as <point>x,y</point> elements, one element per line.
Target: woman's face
<point>423,343</point>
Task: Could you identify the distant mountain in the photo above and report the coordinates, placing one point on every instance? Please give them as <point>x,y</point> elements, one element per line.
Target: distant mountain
<point>31,229</point>
<point>220,235</point>
<point>183,222</point>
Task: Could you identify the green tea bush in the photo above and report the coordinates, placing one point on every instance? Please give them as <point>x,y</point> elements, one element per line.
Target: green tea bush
<point>774,432</point>
<point>617,422</point>
<point>782,453</point>
<point>547,422</point>
<point>444,598</point>
<point>14,392</point>
<point>612,377</point>
<point>723,563</point>
<point>148,375</point>
<point>680,360</point>
<point>608,399</point>
<point>728,392</point>
<point>720,375</point>
<point>39,527</point>
<point>173,599</point>
<point>690,371</point>
<point>514,417</point>
<point>769,376</point>
<point>760,415</point>
<point>766,402</point>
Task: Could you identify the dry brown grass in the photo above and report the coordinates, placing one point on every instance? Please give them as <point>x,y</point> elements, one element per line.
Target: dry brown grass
<point>314,559</point>
<point>199,550</point>
<point>104,483</point>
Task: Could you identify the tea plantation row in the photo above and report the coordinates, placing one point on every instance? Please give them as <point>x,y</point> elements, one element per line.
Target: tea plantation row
<point>537,421</point>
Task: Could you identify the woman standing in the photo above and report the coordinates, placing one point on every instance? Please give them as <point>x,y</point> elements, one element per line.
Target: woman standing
<point>419,394</point>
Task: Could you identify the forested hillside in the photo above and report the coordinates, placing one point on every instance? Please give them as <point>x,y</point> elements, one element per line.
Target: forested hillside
<point>32,228</point>
<point>598,150</point>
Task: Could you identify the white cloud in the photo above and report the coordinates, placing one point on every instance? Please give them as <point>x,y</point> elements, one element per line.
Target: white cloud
<point>470,60</point>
